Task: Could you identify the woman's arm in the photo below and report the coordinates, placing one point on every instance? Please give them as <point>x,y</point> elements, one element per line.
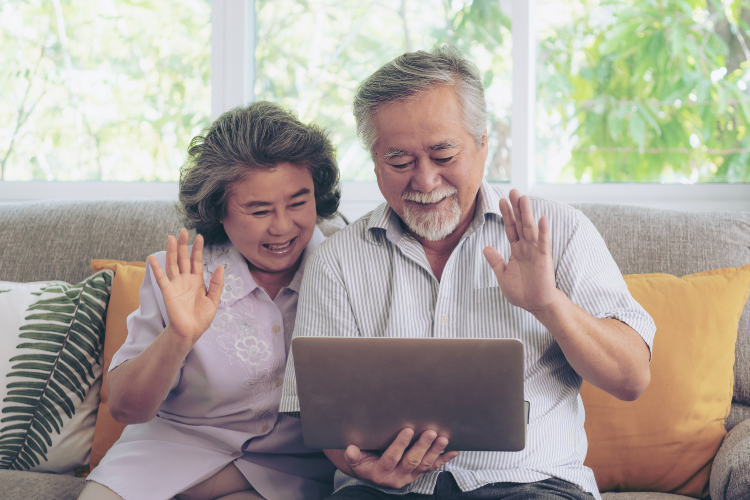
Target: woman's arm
<point>138,386</point>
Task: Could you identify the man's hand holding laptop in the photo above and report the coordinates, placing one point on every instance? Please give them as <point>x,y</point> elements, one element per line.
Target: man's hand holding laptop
<point>399,465</point>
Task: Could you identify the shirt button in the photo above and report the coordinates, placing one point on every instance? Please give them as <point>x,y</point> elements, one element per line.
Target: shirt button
<point>265,428</point>
<point>278,382</point>
<point>236,454</point>
<point>445,318</point>
<point>275,328</point>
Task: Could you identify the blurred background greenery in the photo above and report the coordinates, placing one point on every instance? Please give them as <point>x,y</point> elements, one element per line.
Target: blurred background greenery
<point>627,90</point>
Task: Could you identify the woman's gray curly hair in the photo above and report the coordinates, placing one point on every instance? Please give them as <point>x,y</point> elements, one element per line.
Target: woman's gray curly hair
<point>244,140</point>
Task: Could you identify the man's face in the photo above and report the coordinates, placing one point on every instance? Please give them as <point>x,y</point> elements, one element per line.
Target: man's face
<point>427,164</point>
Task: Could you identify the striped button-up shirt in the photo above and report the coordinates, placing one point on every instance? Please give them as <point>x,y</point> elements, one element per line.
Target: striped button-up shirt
<point>372,279</point>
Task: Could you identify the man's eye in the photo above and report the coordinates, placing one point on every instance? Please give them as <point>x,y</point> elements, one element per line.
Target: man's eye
<point>402,165</point>
<point>443,160</point>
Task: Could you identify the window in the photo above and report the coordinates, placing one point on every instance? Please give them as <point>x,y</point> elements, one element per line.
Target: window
<point>643,91</point>
<point>102,90</point>
<point>616,101</point>
<point>310,56</point>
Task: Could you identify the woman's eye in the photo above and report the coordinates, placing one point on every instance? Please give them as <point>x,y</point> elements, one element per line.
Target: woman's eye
<point>298,204</point>
<point>261,213</point>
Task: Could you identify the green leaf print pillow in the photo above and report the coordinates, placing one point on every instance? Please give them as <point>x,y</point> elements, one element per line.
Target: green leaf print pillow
<point>51,338</point>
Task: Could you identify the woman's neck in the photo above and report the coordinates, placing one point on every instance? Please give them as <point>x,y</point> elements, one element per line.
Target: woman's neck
<point>273,281</point>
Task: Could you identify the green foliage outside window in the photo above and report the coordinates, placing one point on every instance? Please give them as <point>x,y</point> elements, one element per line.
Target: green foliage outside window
<point>110,90</point>
<point>647,91</point>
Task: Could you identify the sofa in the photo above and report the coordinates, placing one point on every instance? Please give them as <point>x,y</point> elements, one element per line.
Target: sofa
<point>56,240</point>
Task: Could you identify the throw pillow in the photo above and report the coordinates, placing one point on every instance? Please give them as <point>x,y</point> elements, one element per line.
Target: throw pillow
<point>51,340</point>
<point>665,441</point>
<point>123,301</point>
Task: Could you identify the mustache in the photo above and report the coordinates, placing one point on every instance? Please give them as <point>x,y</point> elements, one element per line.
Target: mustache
<point>433,196</point>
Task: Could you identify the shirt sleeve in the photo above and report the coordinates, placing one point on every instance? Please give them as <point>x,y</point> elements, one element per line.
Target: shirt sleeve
<point>589,276</point>
<point>146,322</point>
<point>323,311</point>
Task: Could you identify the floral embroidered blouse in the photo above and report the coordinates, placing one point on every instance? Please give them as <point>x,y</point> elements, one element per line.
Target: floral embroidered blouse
<point>232,378</point>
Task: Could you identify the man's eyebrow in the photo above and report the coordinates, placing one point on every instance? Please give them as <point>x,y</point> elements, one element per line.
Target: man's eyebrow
<point>444,145</point>
<point>299,193</point>
<point>392,153</point>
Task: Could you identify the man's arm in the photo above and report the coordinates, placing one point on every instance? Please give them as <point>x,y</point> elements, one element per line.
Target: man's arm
<point>605,352</point>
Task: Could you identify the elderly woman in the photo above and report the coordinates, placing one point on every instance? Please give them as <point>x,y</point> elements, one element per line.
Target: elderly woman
<point>199,377</point>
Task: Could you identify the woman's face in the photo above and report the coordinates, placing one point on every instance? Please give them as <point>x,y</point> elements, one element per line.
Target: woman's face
<point>271,216</point>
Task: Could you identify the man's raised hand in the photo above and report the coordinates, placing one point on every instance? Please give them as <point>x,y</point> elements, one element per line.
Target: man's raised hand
<point>190,307</point>
<point>528,278</point>
<point>397,466</point>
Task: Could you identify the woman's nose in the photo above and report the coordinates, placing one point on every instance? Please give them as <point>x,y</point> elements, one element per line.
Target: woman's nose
<point>282,223</point>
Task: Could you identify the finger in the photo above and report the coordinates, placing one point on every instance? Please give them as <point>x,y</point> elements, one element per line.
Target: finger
<point>508,220</point>
<point>444,459</point>
<point>183,256</point>
<point>413,458</point>
<point>515,198</point>
<point>159,275</point>
<point>495,260</point>
<point>433,454</point>
<point>352,455</point>
<point>216,286</point>
<point>196,256</point>
<point>530,230</point>
<point>545,242</point>
<point>171,263</point>
<point>392,455</point>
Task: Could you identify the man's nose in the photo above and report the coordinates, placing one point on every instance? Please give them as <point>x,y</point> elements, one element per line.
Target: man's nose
<point>426,177</point>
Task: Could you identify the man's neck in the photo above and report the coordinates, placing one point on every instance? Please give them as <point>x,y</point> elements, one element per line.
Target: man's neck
<point>438,252</point>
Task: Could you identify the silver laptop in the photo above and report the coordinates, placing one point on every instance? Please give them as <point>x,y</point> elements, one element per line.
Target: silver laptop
<point>364,391</point>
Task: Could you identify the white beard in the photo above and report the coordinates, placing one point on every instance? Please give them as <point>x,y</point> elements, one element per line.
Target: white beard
<point>432,224</point>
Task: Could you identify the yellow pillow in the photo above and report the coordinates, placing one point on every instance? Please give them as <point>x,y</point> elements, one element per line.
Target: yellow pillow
<point>123,300</point>
<point>665,441</point>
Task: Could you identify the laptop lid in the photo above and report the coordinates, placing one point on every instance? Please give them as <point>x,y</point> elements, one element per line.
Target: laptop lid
<point>364,391</point>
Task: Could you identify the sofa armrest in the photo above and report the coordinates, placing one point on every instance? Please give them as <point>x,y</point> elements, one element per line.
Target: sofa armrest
<point>730,473</point>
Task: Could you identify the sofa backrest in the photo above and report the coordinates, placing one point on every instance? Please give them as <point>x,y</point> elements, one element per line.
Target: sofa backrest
<point>648,240</point>
<point>57,240</point>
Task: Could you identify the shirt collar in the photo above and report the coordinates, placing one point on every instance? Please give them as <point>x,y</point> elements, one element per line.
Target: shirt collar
<point>238,281</point>
<point>384,220</point>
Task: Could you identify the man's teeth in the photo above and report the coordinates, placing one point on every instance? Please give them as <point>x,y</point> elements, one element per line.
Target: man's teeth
<point>280,247</point>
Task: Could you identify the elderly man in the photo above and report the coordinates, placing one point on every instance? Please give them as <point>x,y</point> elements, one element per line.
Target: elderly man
<point>448,255</point>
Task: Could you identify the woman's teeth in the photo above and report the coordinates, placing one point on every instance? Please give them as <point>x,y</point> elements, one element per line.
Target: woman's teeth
<point>281,246</point>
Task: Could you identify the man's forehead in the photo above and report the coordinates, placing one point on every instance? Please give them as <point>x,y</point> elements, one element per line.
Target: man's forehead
<point>448,144</point>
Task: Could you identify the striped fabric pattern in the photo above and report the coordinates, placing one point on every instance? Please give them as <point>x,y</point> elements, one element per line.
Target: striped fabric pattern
<point>372,279</point>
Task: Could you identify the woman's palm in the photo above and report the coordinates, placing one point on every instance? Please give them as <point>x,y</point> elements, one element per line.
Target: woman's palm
<point>190,307</point>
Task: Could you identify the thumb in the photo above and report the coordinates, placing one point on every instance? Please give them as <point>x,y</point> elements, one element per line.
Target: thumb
<point>495,260</point>
<point>216,286</point>
<point>352,455</point>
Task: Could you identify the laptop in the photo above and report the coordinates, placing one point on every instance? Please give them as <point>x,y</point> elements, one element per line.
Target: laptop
<point>364,391</point>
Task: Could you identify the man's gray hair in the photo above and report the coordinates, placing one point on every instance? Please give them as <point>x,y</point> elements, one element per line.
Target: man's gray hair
<point>413,73</point>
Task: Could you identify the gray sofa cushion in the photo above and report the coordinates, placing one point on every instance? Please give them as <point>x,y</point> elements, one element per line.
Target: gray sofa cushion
<point>730,474</point>
<point>57,239</point>
<point>642,496</point>
<point>17,485</point>
<point>647,240</point>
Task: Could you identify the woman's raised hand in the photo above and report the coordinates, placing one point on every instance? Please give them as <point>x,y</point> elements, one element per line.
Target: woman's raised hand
<point>190,307</point>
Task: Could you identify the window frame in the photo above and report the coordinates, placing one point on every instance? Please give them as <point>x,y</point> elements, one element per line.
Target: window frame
<point>232,82</point>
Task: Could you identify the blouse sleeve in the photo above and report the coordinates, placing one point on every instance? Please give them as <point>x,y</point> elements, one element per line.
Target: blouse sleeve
<point>146,322</point>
